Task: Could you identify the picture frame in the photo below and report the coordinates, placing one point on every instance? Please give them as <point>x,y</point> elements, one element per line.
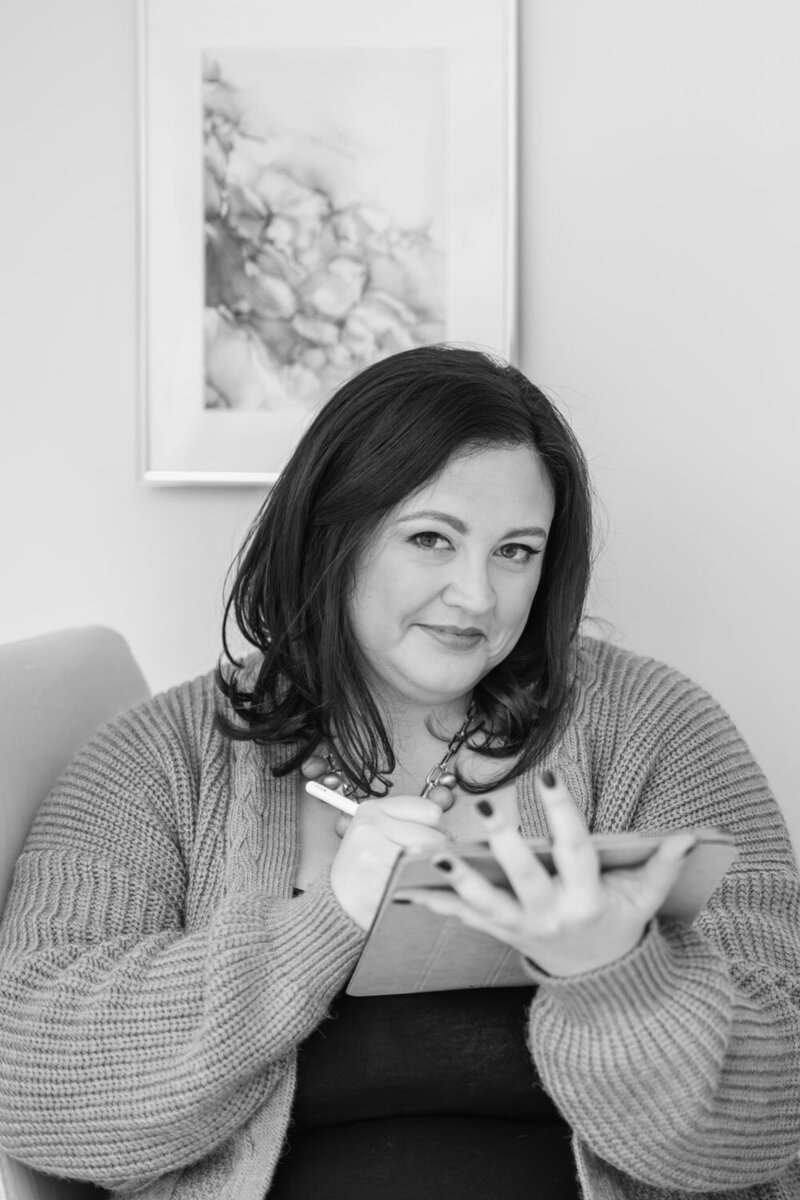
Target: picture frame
<point>320,186</point>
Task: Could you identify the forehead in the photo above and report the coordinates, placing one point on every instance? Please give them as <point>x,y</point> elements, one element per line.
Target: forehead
<point>511,476</point>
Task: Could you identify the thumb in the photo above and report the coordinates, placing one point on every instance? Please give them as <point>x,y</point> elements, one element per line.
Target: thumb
<point>342,824</point>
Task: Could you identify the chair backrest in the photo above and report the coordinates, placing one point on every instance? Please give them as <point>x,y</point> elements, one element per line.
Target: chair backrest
<point>55,690</point>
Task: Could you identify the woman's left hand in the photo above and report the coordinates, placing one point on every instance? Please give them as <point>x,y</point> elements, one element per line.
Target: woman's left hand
<point>574,921</point>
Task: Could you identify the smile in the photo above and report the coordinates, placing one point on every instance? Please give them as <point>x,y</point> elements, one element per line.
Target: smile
<point>453,637</point>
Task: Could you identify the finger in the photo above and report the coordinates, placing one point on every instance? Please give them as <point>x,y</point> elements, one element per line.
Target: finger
<point>419,809</point>
<point>448,904</point>
<point>493,903</point>
<point>445,903</point>
<point>530,880</point>
<point>574,856</point>
<point>405,834</point>
<point>342,824</point>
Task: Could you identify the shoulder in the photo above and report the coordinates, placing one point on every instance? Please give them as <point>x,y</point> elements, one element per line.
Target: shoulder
<point>183,713</point>
<point>616,686</point>
<point>163,741</point>
<point>603,667</point>
<point>188,711</point>
<point>137,778</point>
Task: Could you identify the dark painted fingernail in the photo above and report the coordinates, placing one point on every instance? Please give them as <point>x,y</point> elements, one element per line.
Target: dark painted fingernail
<point>548,778</point>
<point>400,900</point>
<point>443,864</point>
<point>485,808</point>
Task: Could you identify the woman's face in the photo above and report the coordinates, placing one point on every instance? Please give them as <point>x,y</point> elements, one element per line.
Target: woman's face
<point>444,588</point>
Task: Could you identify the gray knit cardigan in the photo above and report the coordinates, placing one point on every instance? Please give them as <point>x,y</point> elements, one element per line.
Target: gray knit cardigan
<point>156,975</point>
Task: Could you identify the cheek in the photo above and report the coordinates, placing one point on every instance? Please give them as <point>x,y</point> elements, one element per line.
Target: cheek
<point>397,592</point>
<point>378,606</point>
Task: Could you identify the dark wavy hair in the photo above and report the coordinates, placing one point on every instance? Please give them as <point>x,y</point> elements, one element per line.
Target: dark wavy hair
<point>383,435</point>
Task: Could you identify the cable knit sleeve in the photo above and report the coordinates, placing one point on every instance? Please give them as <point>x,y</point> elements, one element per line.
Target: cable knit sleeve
<point>680,1064</point>
<point>133,1045</point>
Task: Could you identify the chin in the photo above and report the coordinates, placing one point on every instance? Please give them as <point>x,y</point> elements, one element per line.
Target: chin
<point>444,690</point>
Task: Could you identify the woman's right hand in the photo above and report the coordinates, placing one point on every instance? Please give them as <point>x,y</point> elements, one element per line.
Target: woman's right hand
<point>371,842</point>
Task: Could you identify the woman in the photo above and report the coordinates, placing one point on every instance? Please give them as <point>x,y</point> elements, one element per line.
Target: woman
<point>185,916</point>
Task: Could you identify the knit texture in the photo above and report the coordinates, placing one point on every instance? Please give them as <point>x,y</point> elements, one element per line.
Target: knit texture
<point>156,975</point>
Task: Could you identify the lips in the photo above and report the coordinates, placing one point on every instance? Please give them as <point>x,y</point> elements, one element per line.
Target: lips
<point>455,637</point>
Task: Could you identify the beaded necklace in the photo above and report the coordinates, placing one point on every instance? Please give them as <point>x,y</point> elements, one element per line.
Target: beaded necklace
<point>440,782</point>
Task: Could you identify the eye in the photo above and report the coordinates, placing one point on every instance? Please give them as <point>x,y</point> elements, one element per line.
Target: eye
<point>428,539</point>
<point>516,552</point>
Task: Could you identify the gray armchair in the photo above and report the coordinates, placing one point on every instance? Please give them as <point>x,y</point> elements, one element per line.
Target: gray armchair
<point>72,682</point>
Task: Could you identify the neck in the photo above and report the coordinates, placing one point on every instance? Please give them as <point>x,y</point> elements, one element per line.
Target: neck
<point>419,738</point>
<point>409,722</point>
<point>419,735</point>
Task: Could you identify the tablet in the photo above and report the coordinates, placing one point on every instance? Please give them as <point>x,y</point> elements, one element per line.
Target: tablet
<point>410,949</point>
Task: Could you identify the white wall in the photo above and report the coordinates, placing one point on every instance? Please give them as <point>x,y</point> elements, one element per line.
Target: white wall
<point>660,258</point>
<point>82,539</point>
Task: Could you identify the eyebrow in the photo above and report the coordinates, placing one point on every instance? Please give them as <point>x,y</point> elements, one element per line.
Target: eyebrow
<point>461,527</point>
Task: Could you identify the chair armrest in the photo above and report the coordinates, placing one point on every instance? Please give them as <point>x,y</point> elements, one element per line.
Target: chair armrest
<point>21,1183</point>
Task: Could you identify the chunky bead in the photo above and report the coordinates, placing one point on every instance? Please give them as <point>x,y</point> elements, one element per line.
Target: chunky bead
<point>313,767</point>
<point>443,796</point>
<point>447,780</point>
<point>331,781</point>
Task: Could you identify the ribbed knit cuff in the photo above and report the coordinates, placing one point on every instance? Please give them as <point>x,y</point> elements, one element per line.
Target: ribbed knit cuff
<point>636,982</point>
<point>337,939</point>
<point>317,937</point>
<point>276,964</point>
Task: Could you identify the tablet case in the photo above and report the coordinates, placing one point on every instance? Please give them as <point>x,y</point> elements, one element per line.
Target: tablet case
<point>410,949</point>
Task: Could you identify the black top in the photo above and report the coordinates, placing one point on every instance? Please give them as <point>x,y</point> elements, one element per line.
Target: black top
<point>415,1097</point>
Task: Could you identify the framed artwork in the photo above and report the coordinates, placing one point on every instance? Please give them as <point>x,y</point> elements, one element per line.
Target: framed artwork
<point>322,185</point>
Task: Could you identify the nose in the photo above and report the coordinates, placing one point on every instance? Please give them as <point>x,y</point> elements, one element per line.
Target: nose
<point>470,587</point>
